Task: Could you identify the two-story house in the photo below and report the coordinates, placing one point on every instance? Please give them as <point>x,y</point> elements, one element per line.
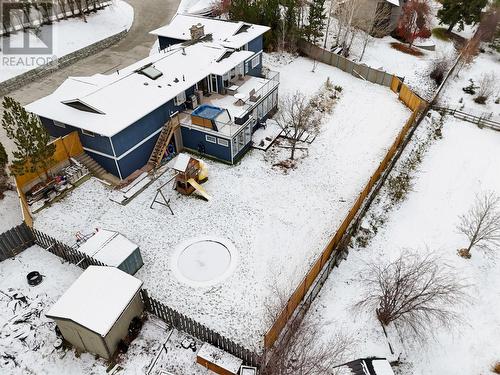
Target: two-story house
<point>208,74</point>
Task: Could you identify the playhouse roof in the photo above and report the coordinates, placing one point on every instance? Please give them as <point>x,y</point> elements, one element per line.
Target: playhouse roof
<point>108,247</point>
<point>180,162</point>
<point>113,102</point>
<point>97,298</point>
<point>228,33</point>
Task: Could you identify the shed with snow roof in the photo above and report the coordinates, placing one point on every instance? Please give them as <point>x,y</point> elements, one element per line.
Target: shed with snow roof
<point>95,313</point>
<point>113,249</point>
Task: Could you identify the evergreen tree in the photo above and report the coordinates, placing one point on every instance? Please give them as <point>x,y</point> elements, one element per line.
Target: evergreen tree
<point>316,21</point>
<point>4,178</point>
<point>33,150</point>
<point>4,159</point>
<point>460,12</point>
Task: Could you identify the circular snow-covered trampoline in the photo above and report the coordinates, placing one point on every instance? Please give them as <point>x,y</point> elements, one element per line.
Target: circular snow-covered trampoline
<point>204,261</point>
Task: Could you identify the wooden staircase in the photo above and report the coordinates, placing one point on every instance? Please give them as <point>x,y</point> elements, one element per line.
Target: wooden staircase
<point>91,165</point>
<point>161,145</point>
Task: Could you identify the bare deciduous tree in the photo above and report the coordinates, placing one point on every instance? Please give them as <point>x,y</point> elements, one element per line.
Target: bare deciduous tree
<point>302,347</point>
<point>481,224</point>
<point>376,23</point>
<point>487,87</point>
<point>414,292</point>
<point>467,54</point>
<point>296,117</point>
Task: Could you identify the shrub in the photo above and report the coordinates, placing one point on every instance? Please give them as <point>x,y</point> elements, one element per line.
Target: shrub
<point>406,49</point>
<point>441,33</point>
<point>481,99</point>
<point>439,69</point>
<point>338,88</point>
<point>487,87</point>
<point>471,89</point>
<point>496,368</point>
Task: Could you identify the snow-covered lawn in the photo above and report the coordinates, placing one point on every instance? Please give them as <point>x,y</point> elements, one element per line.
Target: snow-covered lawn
<point>415,70</point>
<point>457,167</point>
<point>73,34</point>
<point>454,97</point>
<point>10,211</point>
<point>278,222</point>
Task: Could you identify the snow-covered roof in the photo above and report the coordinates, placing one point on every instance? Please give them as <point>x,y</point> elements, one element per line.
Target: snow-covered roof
<point>228,33</point>
<point>382,367</point>
<point>220,358</point>
<point>122,98</point>
<point>108,247</point>
<point>97,298</point>
<point>393,2</point>
<point>180,162</point>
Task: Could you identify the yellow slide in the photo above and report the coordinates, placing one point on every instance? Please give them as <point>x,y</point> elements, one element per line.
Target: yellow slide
<point>199,189</point>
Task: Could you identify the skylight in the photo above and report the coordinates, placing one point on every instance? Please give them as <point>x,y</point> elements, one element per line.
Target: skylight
<point>150,71</point>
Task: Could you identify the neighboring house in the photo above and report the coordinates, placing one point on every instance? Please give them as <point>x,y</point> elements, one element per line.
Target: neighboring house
<point>95,313</point>
<point>213,80</point>
<point>387,10</point>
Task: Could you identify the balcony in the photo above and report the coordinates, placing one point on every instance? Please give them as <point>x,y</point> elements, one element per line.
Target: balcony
<point>240,98</point>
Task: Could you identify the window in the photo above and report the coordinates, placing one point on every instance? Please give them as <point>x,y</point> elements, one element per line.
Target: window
<point>211,138</point>
<point>223,142</point>
<point>255,61</point>
<point>88,133</point>
<point>59,124</point>
<point>180,99</point>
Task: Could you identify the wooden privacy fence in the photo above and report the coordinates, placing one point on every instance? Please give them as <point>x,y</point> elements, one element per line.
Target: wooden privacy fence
<point>195,329</point>
<point>15,240</point>
<point>362,71</point>
<point>415,103</point>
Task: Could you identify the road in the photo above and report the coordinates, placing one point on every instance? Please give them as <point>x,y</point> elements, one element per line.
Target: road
<point>148,15</point>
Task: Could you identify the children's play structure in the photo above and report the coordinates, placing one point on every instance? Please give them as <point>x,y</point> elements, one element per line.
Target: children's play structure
<point>190,173</point>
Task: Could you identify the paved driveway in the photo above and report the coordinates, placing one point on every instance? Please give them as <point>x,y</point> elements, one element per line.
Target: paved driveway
<point>148,15</point>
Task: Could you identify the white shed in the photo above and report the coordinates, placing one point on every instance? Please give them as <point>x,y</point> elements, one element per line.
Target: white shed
<point>94,314</point>
<point>113,249</point>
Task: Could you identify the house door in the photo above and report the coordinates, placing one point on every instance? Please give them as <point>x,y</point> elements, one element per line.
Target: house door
<point>213,83</point>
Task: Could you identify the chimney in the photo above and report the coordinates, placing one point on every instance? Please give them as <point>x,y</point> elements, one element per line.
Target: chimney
<point>197,31</point>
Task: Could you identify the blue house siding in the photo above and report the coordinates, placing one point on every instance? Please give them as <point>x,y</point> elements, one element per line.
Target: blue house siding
<point>108,164</point>
<point>256,45</point>
<point>167,42</point>
<point>97,142</point>
<point>143,128</point>
<point>137,158</point>
<point>193,138</point>
<point>257,70</point>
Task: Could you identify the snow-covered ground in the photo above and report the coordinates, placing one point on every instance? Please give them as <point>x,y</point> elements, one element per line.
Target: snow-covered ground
<point>10,211</point>
<point>279,222</point>
<point>35,353</point>
<point>73,34</point>
<point>197,7</point>
<point>454,97</point>
<point>457,167</point>
<point>415,70</point>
